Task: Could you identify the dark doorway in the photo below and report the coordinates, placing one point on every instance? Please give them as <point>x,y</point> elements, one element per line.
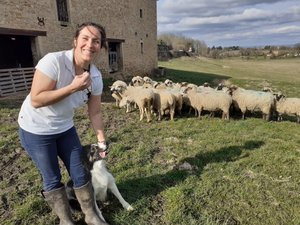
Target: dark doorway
<point>15,51</point>
<point>115,57</point>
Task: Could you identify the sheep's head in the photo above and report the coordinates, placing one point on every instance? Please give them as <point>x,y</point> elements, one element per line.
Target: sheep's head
<point>206,84</point>
<point>168,83</point>
<point>147,80</point>
<point>184,84</point>
<point>159,85</point>
<point>232,88</point>
<point>267,89</point>
<point>118,87</point>
<point>279,96</point>
<point>137,81</point>
<point>186,90</point>
<point>220,86</point>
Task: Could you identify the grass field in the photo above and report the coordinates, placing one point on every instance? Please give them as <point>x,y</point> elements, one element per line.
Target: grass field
<point>240,171</point>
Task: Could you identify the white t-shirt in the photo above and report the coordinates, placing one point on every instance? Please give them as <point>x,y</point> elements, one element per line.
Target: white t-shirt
<point>57,118</point>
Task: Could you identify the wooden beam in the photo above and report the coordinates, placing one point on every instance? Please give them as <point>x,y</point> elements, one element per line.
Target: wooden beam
<point>11,31</point>
<point>114,40</point>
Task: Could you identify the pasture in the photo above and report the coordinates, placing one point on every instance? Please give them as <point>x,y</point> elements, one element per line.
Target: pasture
<point>182,172</point>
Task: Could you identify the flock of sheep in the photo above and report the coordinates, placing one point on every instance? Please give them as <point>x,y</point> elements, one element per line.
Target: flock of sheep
<point>168,98</point>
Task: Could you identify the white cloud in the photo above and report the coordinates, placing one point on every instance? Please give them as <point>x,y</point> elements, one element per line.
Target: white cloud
<point>283,30</point>
<point>230,20</point>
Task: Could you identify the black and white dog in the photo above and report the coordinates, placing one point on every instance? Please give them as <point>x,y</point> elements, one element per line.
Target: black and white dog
<point>102,179</point>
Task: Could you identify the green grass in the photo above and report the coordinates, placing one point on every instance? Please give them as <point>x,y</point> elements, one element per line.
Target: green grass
<point>242,171</point>
<point>253,74</point>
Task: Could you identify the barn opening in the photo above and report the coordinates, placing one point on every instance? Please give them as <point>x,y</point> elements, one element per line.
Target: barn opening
<point>18,47</point>
<point>15,51</point>
<point>115,58</point>
<point>18,55</point>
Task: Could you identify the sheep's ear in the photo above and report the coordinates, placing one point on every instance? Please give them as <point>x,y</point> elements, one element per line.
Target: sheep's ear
<point>279,96</point>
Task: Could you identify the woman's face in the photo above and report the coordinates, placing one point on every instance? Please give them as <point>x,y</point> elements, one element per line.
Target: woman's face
<point>87,44</point>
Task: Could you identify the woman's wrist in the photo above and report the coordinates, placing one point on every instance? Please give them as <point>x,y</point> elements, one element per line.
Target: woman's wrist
<point>102,145</point>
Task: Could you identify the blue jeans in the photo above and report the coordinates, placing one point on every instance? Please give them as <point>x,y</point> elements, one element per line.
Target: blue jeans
<point>44,150</point>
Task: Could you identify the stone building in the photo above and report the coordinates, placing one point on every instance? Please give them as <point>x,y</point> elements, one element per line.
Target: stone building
<point>29,29</point>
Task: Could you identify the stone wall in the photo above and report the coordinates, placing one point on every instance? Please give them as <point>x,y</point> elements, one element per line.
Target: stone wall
<point>121,19</point>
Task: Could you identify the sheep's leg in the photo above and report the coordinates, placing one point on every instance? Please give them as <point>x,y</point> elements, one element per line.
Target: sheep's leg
<point>243,114</point>
<point>267,116</point>
<point>159,115</point>
<point>148,114</point>
<point>128,107</point>
<point>148,111</point>
<point>223,115</point>
<point>141,113</point>
<point>227,115</point>
<point>172,112</point>
<point>199,113</point>
<point>196,112</point>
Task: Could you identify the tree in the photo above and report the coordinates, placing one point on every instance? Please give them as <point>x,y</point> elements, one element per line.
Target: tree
<point>180,42</point>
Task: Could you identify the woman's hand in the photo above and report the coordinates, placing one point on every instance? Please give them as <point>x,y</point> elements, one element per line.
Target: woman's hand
<point>43,90</point>
<point>81,82</point>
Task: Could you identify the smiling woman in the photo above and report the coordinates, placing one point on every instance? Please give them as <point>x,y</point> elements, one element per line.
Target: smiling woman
<point>62,82</point>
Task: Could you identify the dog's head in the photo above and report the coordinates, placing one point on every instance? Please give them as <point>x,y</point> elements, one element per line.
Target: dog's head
<point>97,153</point>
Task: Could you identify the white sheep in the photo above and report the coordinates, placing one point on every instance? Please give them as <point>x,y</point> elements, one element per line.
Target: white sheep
<point>253,100</point>
<point>211,101</point>
<point>116,89</point>
<point>168,83</point>
<point>163,101</point>
<point>222,87</point>
<point>137,81</point>
<point>143,97</point>
<point>159,85</point>
<point>147,80</point>
<point>178,98</point>
<point>287,106</point>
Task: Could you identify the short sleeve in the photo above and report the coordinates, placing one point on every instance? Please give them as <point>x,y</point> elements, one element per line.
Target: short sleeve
<point>49,66</point>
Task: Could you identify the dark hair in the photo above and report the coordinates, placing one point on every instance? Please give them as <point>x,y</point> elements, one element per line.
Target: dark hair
<point>100,28</point>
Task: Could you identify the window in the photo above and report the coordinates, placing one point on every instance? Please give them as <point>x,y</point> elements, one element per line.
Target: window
<point>62,10</point>
<point>141,13</point>
<point>142,47</point>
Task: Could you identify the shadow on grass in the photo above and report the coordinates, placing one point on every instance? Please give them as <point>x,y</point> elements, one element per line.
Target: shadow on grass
<point>151,186</point>
<point>197,78</point>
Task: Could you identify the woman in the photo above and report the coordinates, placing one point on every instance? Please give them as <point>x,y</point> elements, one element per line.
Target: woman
<point>63,81</point>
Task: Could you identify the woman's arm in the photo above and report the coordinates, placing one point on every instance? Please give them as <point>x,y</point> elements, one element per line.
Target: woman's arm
<point>43,90</point>
<point>95,115</point>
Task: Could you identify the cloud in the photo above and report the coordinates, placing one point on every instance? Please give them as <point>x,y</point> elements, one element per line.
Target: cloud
<point>230,20</point>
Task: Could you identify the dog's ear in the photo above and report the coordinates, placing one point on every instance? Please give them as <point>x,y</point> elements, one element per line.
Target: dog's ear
<point>85,157</point>
<point>93,151</point>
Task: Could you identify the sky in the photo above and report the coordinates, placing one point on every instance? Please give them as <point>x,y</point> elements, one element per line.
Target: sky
<point>244,23</point>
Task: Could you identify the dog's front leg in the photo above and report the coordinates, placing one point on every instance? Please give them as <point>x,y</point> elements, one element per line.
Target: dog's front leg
<point>114,189</point>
